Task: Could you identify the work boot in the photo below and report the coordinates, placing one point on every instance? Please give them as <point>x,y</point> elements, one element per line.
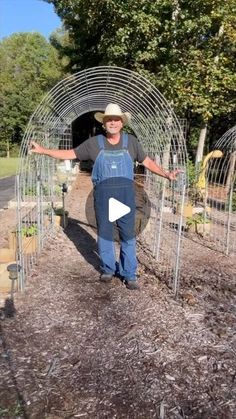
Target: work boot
<point>105,277</point>
<point>132,285</point>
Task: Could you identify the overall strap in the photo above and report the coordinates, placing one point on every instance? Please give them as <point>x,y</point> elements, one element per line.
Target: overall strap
<point>124,140</point>
<point>101,142</point>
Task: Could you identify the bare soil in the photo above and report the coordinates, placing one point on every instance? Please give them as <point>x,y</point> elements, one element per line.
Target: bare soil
<point>77,348</point>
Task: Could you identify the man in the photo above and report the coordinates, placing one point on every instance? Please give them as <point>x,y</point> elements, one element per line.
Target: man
<point>113,156</point>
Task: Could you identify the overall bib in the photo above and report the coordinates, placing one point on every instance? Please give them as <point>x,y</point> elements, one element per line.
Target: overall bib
<point>112,177</point>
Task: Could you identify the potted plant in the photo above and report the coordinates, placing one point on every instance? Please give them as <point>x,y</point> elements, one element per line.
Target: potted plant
<point>29,230</point>
<point>193,195</point>
<point>61,216</point>
<point>29,237</point>
<point>198,223</point>
<point>29,234</point>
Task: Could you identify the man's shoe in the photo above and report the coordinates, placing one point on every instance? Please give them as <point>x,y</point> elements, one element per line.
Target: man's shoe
<point>131,285</point>
<point>106,277</point>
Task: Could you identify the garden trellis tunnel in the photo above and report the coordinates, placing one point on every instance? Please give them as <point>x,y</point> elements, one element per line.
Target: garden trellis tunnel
<point>220,192</point>
<point>153,123</point>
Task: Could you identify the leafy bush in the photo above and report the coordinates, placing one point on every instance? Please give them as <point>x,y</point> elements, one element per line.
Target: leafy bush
<point>14,149</point>
<point>57,190</point>
<point>29,230</point>
<point>197,219</point>
<point>233,202</point>
<point>191,173</point>
<point>32,190</point>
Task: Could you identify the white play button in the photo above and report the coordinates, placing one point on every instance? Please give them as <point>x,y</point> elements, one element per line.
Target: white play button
<point>117,209</point>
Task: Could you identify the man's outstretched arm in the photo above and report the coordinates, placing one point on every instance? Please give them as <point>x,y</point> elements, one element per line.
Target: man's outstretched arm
<point>56,154</point>
<point>153,167</point>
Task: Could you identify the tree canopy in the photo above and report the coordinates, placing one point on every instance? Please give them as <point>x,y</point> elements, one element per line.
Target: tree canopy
<point>29,67</point>
<point>187,48</point>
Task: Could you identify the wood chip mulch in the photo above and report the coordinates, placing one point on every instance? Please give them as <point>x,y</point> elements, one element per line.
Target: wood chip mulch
<point>77,348</point>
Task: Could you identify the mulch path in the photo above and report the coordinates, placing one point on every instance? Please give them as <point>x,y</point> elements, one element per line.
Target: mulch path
<point>77,348</point>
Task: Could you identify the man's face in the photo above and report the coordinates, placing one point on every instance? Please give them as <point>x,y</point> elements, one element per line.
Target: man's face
<point>113,124</point>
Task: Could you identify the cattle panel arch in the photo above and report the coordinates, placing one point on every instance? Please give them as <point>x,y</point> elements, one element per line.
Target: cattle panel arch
<point>154,124</point>
<point>220,193</point>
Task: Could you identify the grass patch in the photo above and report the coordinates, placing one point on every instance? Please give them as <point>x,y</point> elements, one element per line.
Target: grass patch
<point>11,412</point>
<point>9,166</point>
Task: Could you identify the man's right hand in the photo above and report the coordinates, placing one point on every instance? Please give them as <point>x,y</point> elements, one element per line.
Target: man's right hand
<point>55,153</point>
<point>36,148</point>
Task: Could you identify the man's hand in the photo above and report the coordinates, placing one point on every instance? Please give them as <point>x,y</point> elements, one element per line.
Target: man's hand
<point>174,175</point>
<point>36,148</point>
<point>153,167</point>
<point>56,154</point>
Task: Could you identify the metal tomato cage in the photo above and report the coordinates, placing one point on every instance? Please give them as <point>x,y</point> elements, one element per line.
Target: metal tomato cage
<point>153,123</point>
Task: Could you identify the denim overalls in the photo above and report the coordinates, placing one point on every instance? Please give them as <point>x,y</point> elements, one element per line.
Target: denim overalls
<point>112,177</point>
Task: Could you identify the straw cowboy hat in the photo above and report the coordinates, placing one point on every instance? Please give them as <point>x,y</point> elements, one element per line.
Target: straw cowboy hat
<point>113,110</point>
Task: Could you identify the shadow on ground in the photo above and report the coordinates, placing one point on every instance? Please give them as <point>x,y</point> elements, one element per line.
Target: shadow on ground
<point>83,241</point>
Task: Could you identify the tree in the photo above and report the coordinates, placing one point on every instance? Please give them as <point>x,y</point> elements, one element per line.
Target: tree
<point>29,67</point>
<point>204,62</point>
<point>185,47</point>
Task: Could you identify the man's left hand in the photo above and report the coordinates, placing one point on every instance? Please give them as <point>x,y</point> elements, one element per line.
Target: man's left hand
<point>174,175</point>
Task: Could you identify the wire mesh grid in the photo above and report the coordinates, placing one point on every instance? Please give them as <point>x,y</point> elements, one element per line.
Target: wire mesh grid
<point>154,124</point>
<point>220,193</point>
<point>209,211</point>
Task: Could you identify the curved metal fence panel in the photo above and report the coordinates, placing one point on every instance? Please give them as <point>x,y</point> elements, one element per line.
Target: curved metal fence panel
<point>153,123</point>
<point>221,193</point>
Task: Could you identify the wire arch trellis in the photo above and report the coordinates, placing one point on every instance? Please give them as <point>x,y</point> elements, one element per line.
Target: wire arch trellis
<point>154,124</point>
<point>220,193</point>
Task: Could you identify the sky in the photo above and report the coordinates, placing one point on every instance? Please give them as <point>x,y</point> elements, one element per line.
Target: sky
<point>27,16</point>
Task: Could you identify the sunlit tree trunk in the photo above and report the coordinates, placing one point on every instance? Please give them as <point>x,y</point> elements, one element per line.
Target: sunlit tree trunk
<point>201,143</point>
<point>8,149</point>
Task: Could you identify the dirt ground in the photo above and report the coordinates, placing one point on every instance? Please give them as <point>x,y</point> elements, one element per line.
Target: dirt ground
<point>77,348</point>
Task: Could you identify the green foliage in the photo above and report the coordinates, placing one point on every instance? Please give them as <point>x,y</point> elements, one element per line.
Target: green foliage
<point>197,219</point>
<point>191,173</point>
<point>11,412</point>
<point>60,40</point>
<point>8,149</point>
<point>186,48</point>
<point>194,193</point>
<point>29,67</point>
<point>60,211</point>
<point>234,202</point>
<point>14,150</point>
<point>46,190</point>
<point>32,190</point>
<point>193,137</point>
<point>29,230</point>
<point>57,190</point>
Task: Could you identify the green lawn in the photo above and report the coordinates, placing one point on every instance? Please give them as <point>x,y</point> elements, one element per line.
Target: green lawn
<point>8,166</point>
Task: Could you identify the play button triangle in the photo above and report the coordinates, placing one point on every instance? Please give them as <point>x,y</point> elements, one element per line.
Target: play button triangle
<point>117,209</point>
